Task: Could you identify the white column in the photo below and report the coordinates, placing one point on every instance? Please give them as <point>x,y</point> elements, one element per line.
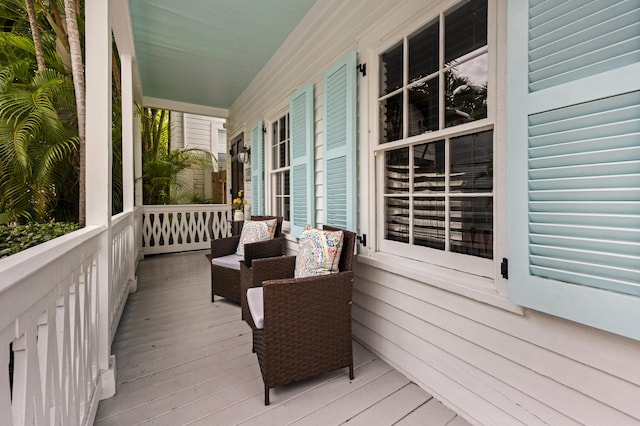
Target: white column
<point>127,132</point>
<point>98,178</point>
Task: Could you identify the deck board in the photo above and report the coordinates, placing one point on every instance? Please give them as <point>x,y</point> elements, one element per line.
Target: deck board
<point>184,360</point>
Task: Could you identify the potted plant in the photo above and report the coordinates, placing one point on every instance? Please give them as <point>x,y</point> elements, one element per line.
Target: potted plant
<point>237,205</point>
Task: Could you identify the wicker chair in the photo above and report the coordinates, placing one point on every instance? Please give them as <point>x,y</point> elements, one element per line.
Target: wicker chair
<point>307,321</point>
<point>225,280</point>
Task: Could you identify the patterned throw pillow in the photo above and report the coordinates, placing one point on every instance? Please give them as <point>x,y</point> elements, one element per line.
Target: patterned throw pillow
<point>318,252</point>
<point>254,231</point>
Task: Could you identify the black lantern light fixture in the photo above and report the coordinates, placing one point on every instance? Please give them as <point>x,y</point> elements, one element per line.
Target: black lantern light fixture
<point>244,156</point>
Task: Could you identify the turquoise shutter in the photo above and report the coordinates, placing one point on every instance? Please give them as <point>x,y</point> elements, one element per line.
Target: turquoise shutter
<point>340,143</point>
<point>257,170</point>
<point>573,127</point>
<point>302,160</point>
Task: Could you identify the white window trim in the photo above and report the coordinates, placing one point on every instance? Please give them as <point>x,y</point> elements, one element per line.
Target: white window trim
<point>273,115</point>
<point>491,290</point>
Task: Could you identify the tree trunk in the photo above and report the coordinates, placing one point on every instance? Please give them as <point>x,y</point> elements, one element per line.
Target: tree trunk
<point>77,68</point>
<point>35,33</point>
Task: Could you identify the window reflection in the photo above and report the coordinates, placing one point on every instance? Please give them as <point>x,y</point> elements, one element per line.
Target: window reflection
<point>391,119</point>
<point>423,107</point>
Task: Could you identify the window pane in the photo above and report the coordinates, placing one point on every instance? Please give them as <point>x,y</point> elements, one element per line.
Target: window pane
<point>391,64</point>
<point>472,163</point>
<point>472,226</point>
<point>287,186</point>
<point>278,184</point>
<point>396,174</point>
<point>465,29</point>
<point>274,145</point>
<point>429,223</point>
<point>287,208</point>
<point>283,128</point>
<point>391,119</point>
<point>397,219</point>
<point>423,107</point>
<point>466,91</point>
<point>424,52</point>
<point>283,155</point>
<point>429,167</point>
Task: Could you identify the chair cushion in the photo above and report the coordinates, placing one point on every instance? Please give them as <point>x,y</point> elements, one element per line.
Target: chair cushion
<point>255,231</point>
<point>231,261</point>
<point>318,252</point>
<point>256,306</point>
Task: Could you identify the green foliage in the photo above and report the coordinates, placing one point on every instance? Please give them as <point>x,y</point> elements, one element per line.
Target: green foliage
<point>14,239</point>
<point>163,167</point>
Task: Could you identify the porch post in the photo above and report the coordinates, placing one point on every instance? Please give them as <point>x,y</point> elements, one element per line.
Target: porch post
<point>98,177</point>
<point>128,140</point>
<point>127,132</point>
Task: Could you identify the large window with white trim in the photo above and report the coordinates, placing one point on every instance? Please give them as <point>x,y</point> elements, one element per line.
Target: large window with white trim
<point>435,148</point>
<point>280,184</point>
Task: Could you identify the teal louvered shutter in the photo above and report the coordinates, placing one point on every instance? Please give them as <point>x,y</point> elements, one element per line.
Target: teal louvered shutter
<point>340,143</point>
<point>302,159</point>
<point>573,126</point>
<point>257,170</point>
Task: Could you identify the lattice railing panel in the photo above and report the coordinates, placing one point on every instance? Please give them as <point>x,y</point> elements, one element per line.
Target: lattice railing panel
<point>175,228</point>
<point>49,332</point>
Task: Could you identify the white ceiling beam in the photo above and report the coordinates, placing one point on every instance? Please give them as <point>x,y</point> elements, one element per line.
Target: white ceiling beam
<point>185,107</point>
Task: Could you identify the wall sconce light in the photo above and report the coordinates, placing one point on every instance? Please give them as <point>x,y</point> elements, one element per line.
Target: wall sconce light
<point>244,156</point>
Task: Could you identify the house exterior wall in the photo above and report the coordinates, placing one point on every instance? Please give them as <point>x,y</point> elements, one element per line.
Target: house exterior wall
<point>200,132</point>
<point>464,342</point>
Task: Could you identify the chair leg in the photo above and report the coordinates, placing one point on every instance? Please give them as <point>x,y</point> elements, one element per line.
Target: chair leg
<point>266,395</point>
<point>351,376</point>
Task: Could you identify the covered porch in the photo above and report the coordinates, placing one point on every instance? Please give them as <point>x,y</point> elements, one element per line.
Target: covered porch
<point>184,360</point>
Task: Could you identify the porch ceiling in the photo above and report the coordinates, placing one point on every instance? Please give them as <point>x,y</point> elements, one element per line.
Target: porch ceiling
<point>206,52</point>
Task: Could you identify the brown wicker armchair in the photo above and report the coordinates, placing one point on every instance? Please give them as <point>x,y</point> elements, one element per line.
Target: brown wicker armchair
<point>225,274</point>
<point>306,329</point>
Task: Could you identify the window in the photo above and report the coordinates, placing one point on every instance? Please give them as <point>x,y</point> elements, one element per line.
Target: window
<point>280,187</point>
<point>435,142</point>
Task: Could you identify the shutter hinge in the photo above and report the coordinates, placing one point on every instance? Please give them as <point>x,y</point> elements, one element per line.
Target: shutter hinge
<point>504,268</point>
<point>362,239</point>
<point>363,69</point>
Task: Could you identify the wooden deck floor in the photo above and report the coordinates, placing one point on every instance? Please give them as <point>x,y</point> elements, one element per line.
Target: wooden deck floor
<point>184,360</point>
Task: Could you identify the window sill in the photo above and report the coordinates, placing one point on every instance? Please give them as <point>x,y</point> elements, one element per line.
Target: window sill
<point>462,283</point>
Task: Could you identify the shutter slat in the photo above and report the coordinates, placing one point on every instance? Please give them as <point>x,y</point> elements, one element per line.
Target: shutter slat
<point>574,218</point>
<point>588,145</point>
<point>623,167</point>
<point>597,232</point>
<point>600,258</point>
<point>595,207</point>
<point>613,248</point>
<point>594,182</point>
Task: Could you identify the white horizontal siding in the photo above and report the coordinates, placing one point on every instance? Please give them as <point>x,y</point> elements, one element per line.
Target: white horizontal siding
<point>533,368</point>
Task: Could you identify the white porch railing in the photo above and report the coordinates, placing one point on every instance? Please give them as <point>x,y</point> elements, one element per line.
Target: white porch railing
<point>51,314</point>
<point>174,228</point>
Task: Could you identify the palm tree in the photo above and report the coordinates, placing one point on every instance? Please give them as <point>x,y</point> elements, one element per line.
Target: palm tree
<point>35,145</point>
<point>35,31</point>
<point>77,70</point>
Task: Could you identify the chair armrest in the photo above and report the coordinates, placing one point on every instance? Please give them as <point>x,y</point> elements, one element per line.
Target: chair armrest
<point>262,249</point>
<point>224,246</point>
<point>268,268</point>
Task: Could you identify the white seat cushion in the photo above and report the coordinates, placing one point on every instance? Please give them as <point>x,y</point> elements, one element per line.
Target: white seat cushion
<point>231,261</point>
<point>256,306</point>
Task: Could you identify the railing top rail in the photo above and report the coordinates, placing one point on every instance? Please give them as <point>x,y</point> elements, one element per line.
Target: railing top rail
<point>182,207</point>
